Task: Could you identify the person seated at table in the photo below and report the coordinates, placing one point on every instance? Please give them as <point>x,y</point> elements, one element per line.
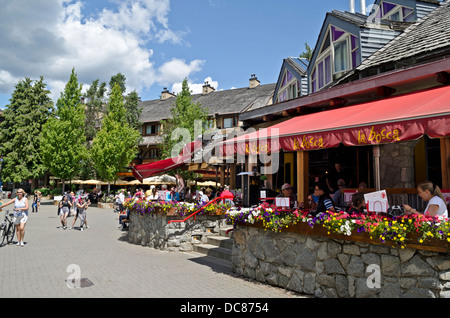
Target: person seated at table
<point>358,204</point>
<point>162,195</point>
<point>287,192</point>
<point>172,195</point>
<point>325,202</point>
<point>152,194</point>
<point>430,193</point>
<point>338,196</point>
<point>202,198</point>
<point>227,193</point>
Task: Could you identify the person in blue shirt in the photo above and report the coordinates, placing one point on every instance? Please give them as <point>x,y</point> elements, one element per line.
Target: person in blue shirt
<point>172,195</point>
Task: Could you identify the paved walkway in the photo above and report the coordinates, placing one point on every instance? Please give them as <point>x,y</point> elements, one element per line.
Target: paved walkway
<point>116,268</point>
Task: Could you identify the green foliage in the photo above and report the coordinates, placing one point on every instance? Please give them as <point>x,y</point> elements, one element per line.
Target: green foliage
<point>63,139</point>
<point>115,145</point>
<point>20,132</point>
<point>133,111</point>
<point>94,97</point>
<point>184,115</point>
<point>131,101</point>
<point>308,52</point>
<point>56,191</point>
<point>44,191</point>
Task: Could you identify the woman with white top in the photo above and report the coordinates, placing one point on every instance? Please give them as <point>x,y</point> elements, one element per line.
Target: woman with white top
<point>432,194</point>
<point>20,214</point>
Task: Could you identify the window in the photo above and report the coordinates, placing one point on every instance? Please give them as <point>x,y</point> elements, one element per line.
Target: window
<point>292,91</point>
<point>290,87</point>
<point>339,53</point>
<point>153,153</point>
<point>313,81</point>
<point>152,129</point>
<point>341,56</point>
<point>228,122</point>
<point>394,12</point>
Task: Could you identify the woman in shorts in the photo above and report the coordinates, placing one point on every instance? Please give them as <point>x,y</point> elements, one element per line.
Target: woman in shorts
<point>64,208</point>
<point>20,214</point>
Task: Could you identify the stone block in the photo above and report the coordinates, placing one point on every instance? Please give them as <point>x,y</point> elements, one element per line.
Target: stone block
<point>390,265</point>
<point>416,267</point>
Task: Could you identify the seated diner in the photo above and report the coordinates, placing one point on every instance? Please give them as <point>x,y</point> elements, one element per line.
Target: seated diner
<point>430,193</point>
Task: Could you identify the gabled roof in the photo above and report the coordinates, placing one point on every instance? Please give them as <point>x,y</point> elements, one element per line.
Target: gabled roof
<point>421,41</point>
<point>355,21</point>
<point>428,34</point>
<point>232,101</point>
<point>299,64</point>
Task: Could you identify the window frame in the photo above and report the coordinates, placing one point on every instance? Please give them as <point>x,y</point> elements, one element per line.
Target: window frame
<point>330,51</point>
<point>157,129</point>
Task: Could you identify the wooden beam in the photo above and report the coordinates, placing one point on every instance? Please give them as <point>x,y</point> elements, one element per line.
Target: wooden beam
<point>445,162</point>
<point>267,118</point>
<point>443,78</point>
<point>302,177</point>
<point>337,102</point>
<point>385,91</point>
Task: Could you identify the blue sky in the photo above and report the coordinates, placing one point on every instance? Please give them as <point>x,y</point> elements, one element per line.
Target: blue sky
<point>154,43</point>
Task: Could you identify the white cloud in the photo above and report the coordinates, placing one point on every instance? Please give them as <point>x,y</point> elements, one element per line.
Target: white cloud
<point>195,88</point>
<point>176,70</point>
<point>50,37</point>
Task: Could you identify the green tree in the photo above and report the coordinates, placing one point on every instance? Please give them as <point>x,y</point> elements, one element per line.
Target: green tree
<point>94,99</point>
<point>63,139</point>
<point>20,132</point>
<point>184,115</point>
<point>133,111</point>
<point>131,101</point>
<point>116,144</point>
<point>308,52</point>
<point>120,80</point>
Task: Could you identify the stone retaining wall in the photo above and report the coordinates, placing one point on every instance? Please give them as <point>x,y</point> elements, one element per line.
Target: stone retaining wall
<point>326,267</point>
<point>153,230</point>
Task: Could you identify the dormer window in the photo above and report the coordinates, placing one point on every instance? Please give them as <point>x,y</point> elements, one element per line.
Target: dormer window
<point>394,12</point>
<point>339,53</point>
<point>290,87</point>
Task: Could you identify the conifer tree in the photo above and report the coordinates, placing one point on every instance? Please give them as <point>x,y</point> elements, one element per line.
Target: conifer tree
<point>20,132</point>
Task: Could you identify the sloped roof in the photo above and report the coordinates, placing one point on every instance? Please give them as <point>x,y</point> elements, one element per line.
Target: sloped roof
<point>299,64</point>
<point>428,34</point>
<point>222,102</point>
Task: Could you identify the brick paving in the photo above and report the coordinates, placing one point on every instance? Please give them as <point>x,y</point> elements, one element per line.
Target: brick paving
<point>115,267</point>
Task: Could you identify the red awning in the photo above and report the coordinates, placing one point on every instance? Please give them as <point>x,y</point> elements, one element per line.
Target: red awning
<point>148,170</point>
<point>400,118</point>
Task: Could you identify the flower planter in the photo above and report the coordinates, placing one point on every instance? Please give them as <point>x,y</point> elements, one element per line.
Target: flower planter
<point>412,239</point>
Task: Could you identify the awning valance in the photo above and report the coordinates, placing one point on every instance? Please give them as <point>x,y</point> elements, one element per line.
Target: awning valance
<point>399,118</point>
<point>141,172</point>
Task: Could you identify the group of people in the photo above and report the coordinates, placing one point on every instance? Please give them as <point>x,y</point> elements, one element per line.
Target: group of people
<point>427,191</point>
<point>78,204</point>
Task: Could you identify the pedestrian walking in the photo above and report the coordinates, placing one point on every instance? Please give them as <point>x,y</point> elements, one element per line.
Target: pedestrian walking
<point>82,213</point>
<point>64,207</point>
<point>81,207</point>
<point>36,201</point>
<point>20,214</point>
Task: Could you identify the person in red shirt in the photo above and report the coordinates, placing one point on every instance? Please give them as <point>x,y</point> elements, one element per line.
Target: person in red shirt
<point>227,193</point>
